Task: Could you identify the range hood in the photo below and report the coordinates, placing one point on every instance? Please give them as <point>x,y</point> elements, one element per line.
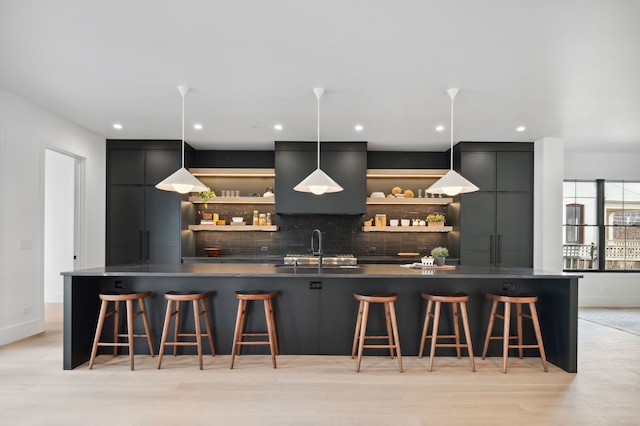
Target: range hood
<point>345,162</point>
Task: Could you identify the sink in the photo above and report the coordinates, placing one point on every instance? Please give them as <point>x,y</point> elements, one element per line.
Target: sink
<point>328,260</point>
<point>309,266</point>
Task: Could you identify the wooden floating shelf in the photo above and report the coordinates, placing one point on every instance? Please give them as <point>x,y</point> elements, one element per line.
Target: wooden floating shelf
<point>235,200</point>
<point>407,228</point>
<point>241,228</point>
<point>403,201</point>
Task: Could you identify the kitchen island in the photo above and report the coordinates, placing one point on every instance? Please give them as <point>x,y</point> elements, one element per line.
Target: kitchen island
<point>316,311</point>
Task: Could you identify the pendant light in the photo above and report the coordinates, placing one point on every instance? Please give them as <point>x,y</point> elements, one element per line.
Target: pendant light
<point>318,182</point>
<point>452,183</point>
<point>182,181</point>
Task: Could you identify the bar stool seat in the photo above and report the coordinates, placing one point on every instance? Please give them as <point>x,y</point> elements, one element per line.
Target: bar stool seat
<point>238,337</point>
<point>457,299</point>
<point>128,298</point>
<point>199,310</point>
<point>360,334</point>
<point>518,300</point>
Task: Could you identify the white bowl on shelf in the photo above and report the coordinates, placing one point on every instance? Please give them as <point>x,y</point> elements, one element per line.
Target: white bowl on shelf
<point>377,195</point>
<point>393,222</point>
<point>237,219</point>
<point>405,222</point>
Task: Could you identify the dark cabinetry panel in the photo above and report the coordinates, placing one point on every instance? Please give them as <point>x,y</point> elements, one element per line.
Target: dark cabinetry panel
<point>345,162</point>
<point>143,223</point>
<point>496,223</point>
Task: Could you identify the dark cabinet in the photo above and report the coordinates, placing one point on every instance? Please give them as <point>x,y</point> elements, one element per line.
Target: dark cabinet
<point>344,162</point>
<point>143,223</point>
<point>496,222</point>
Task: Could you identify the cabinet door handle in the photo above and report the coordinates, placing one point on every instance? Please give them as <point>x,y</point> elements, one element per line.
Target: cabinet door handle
<point>492,259</point>
<point>147,235</point>
<point>499,248</point>
<point>140,240</point>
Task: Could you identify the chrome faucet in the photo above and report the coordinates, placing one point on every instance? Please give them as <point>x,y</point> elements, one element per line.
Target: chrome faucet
<point>319,252</point>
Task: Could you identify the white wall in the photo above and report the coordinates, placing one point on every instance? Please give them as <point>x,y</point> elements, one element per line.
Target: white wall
<point>25,130</point>
<point>606,289</point>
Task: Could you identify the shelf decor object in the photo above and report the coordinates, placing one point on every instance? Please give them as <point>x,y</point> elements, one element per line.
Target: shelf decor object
<point>182,181</point>
<point>452,183</point>
<point>318,182</point>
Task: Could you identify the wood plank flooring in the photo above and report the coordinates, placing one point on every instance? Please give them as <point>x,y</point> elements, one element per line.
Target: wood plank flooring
<point>320,390</point>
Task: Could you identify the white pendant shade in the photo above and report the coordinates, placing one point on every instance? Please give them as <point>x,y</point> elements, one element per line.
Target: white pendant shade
<point>182,181</point>
<point>452,183</point>
<point>318,182</point>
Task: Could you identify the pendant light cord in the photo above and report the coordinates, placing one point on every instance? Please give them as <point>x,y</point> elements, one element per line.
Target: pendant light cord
<point>183,130</point>
<point>451,164</point>
<point>318,132</point>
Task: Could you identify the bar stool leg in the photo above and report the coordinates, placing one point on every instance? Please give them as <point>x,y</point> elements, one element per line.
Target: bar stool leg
<point>492,318</point>
<point>237,337</point>
<point>467,333</point>
<point>456,327</point>
<point>396,335</point>
<point>427,317</point>
<point>387,317</point>
<point>165,331</point>
<point>536,327</point>
<point>176,325</point>
<point>205,312</point>
<point>270,326</point>
<point>363,332</point>
<point>505,339</point>
<point>356,333</point>
<point>145,321</point>
<point>519,322</point>
<point>434,334</point>
<point>116,326</point>
<point>196,318</point>
<point>273,321</point>
<point>96,339</point>
<point>130,330</point>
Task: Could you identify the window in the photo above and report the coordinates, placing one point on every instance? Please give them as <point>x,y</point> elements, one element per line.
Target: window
<point>597,211</point>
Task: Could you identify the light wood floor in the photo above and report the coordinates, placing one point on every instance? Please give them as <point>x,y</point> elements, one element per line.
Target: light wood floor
<point>320,390</point>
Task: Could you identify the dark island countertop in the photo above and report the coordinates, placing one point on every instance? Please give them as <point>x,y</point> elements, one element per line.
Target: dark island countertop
<point>361,271</point>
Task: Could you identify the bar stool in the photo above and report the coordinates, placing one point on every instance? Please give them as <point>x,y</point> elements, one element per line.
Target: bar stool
<point>239,334</point>
<point>518,300</point>
<point>457,299</point>
<point>199,310</point>
<point>361,326</point>
<point>128,298</point>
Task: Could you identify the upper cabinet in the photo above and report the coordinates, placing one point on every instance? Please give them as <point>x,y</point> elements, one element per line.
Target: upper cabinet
<point>345,162</point>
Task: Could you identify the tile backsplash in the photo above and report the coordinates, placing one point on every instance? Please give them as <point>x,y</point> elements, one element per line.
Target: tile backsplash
<point>341,234</point>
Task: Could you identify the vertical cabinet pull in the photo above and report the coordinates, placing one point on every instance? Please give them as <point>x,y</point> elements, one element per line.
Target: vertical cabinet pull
<point>492,258</point>
<point>499,248</point>
<point>140,239</point>
<point>147,235</point>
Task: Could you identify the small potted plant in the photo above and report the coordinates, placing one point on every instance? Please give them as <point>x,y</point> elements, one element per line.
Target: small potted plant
<point>206,196</point>
<point>439,253</point>
<point>435,219</point>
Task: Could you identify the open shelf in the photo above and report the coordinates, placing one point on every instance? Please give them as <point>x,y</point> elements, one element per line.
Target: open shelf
<point>235,200</point>
<point>241,228</point>
<point>409,201</point>
<point>407,228</point>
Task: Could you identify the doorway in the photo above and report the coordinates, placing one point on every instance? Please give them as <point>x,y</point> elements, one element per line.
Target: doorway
<point>62,219</point>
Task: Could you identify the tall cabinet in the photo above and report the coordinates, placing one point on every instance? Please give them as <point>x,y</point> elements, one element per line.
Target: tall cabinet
<point>143,223</point>
<point>496,222</point>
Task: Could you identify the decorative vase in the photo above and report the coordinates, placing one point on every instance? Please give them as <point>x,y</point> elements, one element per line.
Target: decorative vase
<point>439,261</point>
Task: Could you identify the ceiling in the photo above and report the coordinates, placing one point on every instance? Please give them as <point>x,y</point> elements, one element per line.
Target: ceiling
<point>568,69</point>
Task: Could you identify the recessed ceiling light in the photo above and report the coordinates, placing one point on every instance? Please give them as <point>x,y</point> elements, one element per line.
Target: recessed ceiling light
<point>521,129</point>
<point>440,128</point>
<point>197,126</point>
<point>117,126</point>
<point>358,127</point>
<point>278,127</point>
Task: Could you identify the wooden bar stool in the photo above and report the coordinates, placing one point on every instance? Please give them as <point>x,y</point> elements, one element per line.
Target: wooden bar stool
<point>518,300</point>
<point>239,334</point>
<point>199,310</point>
<point>361,326</point>
<point>128,298</point>
<point>457,299</point>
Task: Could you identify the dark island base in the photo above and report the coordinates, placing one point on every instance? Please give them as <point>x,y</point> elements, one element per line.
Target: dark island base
<point>321,321</point>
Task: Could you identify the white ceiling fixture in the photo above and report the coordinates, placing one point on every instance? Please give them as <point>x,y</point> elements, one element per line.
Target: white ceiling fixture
<point>318,182</point>
<point>197,126</point>
<point>182,181</point>
<point>440,128</point>
<point>117,126</point>
<point>278,127</point>
<point>520,129</point>
<point>358,127</point>
<point>452,183</point>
